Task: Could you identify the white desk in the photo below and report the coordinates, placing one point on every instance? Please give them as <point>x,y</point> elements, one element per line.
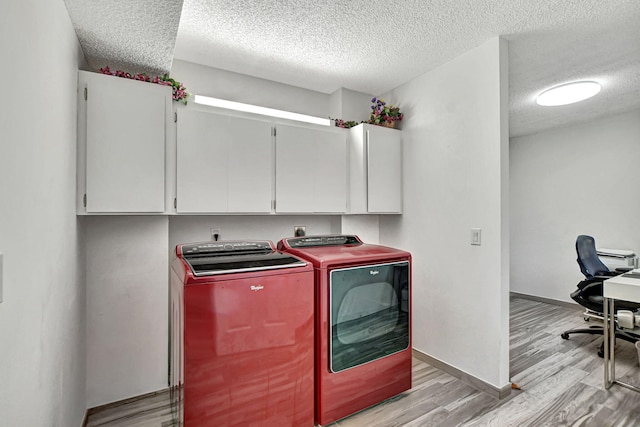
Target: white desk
<point>616,288</point>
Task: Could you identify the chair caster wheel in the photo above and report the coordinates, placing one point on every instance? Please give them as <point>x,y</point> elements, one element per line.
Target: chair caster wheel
<point>601,350</point>
<point>564,336</point>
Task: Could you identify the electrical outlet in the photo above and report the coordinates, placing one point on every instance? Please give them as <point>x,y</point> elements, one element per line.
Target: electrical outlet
<point>299,230</point>
<point>215,234</point>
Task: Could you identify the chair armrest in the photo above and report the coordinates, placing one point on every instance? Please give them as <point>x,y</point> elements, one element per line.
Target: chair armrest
<point>589,283</point>
<point>620,270</point>
<point>601,277</point>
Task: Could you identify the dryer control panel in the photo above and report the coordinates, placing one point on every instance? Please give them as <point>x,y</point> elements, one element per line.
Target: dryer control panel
<point>328,240</point>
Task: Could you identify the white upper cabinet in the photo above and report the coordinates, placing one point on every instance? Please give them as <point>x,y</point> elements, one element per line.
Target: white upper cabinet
<point>121,151</point>
<point>133,159</point>
<point>375,156</point>
<point>311,169</point>
<point>224,163</point>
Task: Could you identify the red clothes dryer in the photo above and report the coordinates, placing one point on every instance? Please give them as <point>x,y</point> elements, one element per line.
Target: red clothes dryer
<point>242,344</point>
<point>363,322</point>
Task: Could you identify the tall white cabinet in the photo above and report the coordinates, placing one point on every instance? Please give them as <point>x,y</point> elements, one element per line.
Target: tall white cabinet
<point>311,170</point>
<point>375,170</point>
<point>121,144</point>
<point>224,164</point>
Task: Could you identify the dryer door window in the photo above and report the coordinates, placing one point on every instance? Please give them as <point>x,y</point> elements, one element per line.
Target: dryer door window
<point>369,313</point>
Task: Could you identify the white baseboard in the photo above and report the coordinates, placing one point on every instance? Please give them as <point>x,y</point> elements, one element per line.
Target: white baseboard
<point>572,305</point>
<point>498,393</point>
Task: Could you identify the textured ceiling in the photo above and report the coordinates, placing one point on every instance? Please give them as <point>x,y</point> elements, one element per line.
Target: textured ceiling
<point>136,36</point>
<point>372,46</point>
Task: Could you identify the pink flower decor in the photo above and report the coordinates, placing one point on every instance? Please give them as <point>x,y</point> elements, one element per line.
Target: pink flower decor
<point>179,91</point>
<point>382,113</point>
<point>344,123</point>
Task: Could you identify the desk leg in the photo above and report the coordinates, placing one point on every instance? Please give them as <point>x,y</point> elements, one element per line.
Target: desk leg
<point>606,343</point>
<point>612,340</point>
<point>609,343</point>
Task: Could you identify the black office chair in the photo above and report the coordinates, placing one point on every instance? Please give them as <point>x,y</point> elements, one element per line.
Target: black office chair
<point>589,292</point>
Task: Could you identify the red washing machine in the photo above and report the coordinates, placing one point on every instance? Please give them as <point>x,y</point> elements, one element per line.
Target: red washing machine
<point>241,346</point>
<point>363,322</point>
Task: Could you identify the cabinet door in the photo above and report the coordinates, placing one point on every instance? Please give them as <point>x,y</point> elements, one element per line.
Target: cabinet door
<point>223,164</point>
<point>384,173</point>
<point>375,183</point>
<point>331,172</point>
<point>295,180</point>
<point>311,170</point>
<point>125,145</point>
<point>201,163</point>
<point>250,161</point>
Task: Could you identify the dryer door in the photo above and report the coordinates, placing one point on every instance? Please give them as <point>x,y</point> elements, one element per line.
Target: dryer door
<point>369,313</point>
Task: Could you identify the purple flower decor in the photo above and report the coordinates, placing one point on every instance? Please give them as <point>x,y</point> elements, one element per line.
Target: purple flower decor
<point>179,91</point>
<point>383,114</point>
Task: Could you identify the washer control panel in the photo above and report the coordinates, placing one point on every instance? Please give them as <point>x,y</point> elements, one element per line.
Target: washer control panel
<point>227,247</point>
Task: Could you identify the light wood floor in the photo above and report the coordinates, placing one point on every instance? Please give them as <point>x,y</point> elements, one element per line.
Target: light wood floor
<point>561,382</point>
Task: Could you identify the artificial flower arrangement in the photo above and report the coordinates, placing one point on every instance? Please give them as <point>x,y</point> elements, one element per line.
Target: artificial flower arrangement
<point>344,123</point>
<point>381,115</point>
<point>179,91</point>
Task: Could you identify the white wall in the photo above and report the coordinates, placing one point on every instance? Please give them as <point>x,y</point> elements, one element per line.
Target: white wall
<point>350,105</point>
<point>367,227</point>
<point>203,80</point>
<point>184,229</point>
<point>455,142</point>
<point>42,344</point>
<point>127,270</point>
<point>582,179</point>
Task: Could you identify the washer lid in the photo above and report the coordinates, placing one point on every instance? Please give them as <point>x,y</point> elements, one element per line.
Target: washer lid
<point>210,258</point>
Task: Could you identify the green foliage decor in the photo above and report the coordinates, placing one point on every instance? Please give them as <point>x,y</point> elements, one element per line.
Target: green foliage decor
<point>179,94</point>
<point>381,115</point>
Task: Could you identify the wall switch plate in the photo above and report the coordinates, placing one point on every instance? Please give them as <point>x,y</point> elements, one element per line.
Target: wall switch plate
<point>215,234</point>
<point>476,235</point>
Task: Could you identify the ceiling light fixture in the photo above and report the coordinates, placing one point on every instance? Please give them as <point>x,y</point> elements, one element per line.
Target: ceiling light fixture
<point>238,106</point>
<point>568,93</point>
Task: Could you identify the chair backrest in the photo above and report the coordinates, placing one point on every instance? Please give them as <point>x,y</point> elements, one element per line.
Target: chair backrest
<point>590,264</point>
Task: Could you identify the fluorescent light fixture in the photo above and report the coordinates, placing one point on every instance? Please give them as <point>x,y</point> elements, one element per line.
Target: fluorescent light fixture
<point>238,106</point>
<point>568,93</point>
